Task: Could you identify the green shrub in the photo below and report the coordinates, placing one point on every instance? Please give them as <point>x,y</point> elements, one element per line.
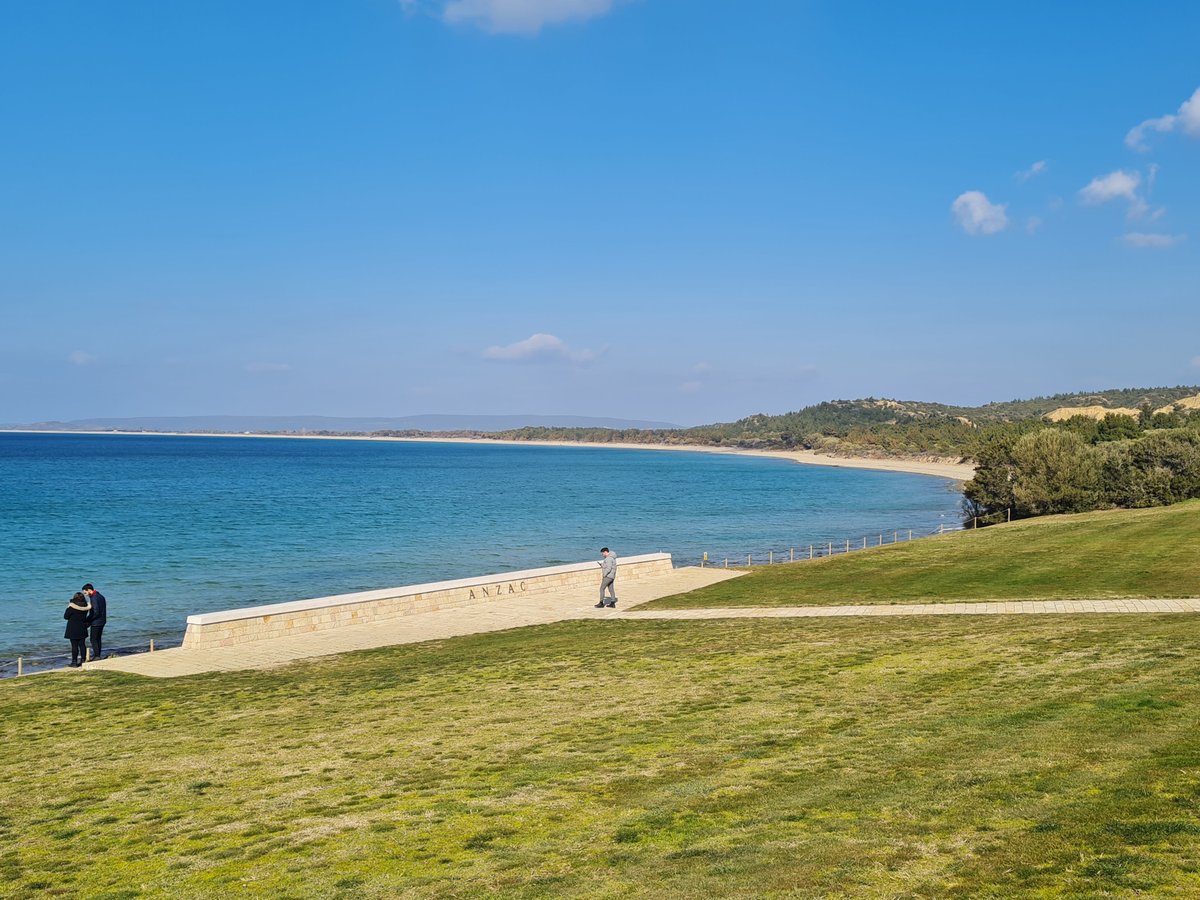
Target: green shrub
<point>1055,469</point>
<point>1055,472</point>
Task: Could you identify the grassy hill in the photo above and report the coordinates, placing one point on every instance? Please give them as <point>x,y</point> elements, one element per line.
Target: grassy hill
<point>1114,553</point>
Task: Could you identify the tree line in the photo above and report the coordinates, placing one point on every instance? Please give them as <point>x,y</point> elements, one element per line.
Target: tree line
<point>1082,464</point>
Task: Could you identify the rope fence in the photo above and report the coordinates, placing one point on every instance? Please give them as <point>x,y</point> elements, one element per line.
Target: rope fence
<point>28,664</point>
<point>844,546</point>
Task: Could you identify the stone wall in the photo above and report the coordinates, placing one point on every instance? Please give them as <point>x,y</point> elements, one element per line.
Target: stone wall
<point>577,583</point>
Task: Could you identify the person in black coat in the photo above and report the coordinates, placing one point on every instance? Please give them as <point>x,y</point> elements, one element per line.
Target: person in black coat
<point>77,613</point>
<point>98,617</point>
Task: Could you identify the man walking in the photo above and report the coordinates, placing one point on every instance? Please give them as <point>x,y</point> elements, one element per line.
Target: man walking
<point>97,617</point>
<point>608,574</point>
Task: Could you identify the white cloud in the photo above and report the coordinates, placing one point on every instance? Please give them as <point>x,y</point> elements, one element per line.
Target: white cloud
<point>1111,186</point>
<point>1118,185</point>
<point>978,215</point>
<point>79,358</point>
<point>1036,169</point>
<point>1143,239</point>
<point>539,348</point>
<point>263,368</point>
<point>519,16</point>
<point>1186,120</point>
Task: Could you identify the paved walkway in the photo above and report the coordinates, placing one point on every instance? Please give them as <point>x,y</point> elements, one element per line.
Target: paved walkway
<point>448,623</point>
<point>981,608</point>
<point>430,626</point>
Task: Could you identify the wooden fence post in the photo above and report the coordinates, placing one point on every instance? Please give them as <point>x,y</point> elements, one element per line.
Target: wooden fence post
<point>151,645</point>
<point>770,557</point>
<point>793,552</point>
<point>830,553</point>
<point>847,545</point>
<point>748,562</point>
<point>810,551</point>
<point>20,666</point>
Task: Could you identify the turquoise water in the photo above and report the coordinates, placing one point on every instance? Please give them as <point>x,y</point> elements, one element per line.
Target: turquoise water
<point>166,526</point>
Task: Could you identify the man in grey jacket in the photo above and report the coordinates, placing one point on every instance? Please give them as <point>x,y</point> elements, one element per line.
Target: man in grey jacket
<point>608,574</point>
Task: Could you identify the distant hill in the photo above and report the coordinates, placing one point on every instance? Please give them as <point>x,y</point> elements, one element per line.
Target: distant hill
<point>837,414</point>
<point>881,427</point>
<point>840,416</point>
<point>336,425</point>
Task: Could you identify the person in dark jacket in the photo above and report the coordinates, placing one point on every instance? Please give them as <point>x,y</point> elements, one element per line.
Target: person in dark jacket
<point>99,616</point>
<point>76,615</point>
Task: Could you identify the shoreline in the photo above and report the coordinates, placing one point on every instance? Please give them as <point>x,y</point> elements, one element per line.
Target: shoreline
<point>952,471</point>
<point>956,472</point>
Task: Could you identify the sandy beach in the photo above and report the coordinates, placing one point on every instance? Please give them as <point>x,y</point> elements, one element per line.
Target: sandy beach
<point>953,471</point>
<point>939,469</point>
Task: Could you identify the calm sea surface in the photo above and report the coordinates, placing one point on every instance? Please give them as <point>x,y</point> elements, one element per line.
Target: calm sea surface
<point>167,526</point>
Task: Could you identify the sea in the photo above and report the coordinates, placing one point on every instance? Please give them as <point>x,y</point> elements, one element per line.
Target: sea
<point>168,525</point>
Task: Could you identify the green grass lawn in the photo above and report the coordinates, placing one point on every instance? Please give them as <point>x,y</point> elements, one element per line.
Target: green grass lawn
<point>1118,553</point>
<point>964,757</point>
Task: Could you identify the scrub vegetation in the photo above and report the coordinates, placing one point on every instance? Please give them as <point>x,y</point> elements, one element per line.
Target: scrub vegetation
<point>875,427</point>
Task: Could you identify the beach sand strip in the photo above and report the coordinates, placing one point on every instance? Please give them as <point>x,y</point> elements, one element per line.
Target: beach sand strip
<point>955,471</point>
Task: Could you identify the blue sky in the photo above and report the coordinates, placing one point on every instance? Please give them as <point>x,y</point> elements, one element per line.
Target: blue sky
<point>682,210</point>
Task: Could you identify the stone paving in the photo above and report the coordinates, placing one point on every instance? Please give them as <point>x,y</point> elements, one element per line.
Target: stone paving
<point>977,608</point>
<point>501,616</point>
<point>412,629</point>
